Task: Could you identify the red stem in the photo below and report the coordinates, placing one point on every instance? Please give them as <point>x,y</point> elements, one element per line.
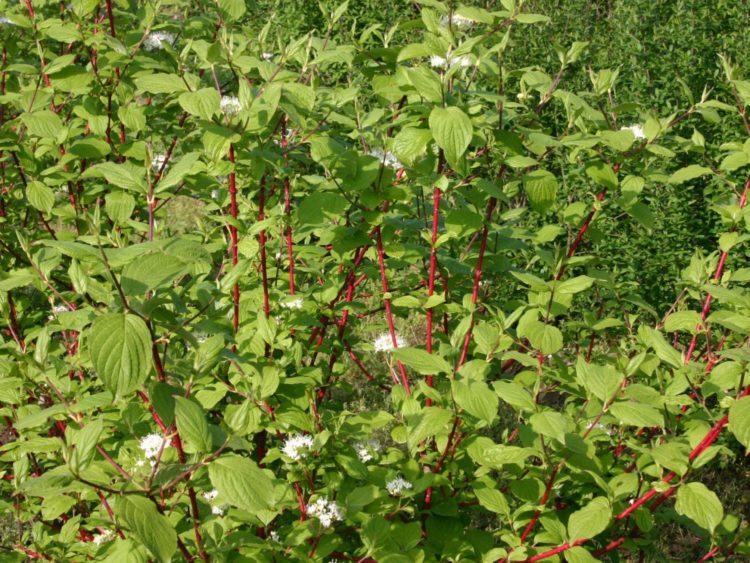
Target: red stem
<point>263,262</point>
<point>388,312</point>
<point>288,208</point>
<point>477,278</point>
<point>433,262</point>
<point>233,238</point>
<point>717,276</point>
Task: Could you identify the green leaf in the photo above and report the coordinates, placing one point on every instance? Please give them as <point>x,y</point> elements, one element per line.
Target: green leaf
<point>637,414</point>
<point>476,398</point>
<point>232,10</point>
<point>118,175</point>
<point>410,143</point>
<point>40,196</point>
<point>589,521</point>
<point>425,424</point>
<point>177,172</point>
<point>426,82</point>
<point>120,349</point>
<point>151,271</point>
<point>688,321</point>
<point>44,124</point>
<point>739,420</point>
<point>575,285</point>
<point>159,83</point>
<point>152,529</point>
<point>84,446</point>
<point>514,394</point>
<point>492,500</point>
<point>551,424</point>
<point>541,189</point>
<point>421,361</point>
<point>603,174</point>
<point>700,504</point>
<point>242,483</point>
<point>498,455</point>
<point>319,207</point>
<point>689,173</point>
<point>601,381</point>
<point>545,338</point>
<point>119,206</point>
<point>192,425</point>
<point>202,103</point>
<point>452,131</point>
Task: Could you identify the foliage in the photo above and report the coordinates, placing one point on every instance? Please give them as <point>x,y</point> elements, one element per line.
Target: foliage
<point>325,296</point>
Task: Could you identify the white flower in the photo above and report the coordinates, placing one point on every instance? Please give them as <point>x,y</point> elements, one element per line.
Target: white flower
<point>636,130</point>
<point>218,510</point>
<point>295,304</point>
<point>274,535</point>
<point>449,61</point>
<point>387,158</point>
<point>384,342</point>
<point>327,511</point>
<point>156,40</point>
<point>230,105</point>
<point>215,194</point>
<point>364,450</point>
<point>210,495</point>
<point>266,56</point>
<point>455,20</point>
<point>295,443</point>
<point>57,309</point>
<point>157,161</point>
<point>397,486</point>
<point>151,445</point>
<point>107,535</point>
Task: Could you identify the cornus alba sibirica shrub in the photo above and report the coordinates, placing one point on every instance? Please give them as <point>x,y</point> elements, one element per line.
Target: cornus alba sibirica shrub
<point>295,299</point>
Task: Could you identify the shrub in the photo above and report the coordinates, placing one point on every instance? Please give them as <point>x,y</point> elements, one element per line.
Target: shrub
<point>326,301</point>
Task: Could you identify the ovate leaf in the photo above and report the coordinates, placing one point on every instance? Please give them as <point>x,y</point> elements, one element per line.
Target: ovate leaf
<point>700,504</point>
<point>739,421</point>
<point>590,520</point>
<point>541,189</point>
<point>452,131</point>
<point>149,527</point>
<point>120,348</point>
<point>422,361</point>
<point>192,425</point>
<point>242,483</point>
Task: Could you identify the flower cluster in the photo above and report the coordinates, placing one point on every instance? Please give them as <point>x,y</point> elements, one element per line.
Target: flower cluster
<point>460,22</point>
<point>156,40</point>
<point>295,443</point>
<point>637,131</point>
<point>151,445</point>
<point>217,509</point>
<point>295,304</point>
<point>364,450</point>
<point>397,486</point>
<point>230,105</point>
<point>326,511</point>
<point>387,158</point>
<point>104,537</point>
<point>157,161</point>
<point>449,61</point>
<point>384,342</point>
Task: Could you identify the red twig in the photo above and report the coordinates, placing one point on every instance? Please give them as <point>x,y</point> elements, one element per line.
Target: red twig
<point>717,276</point>
<point>388,311</point>
<point>288,207</point>
<point>477,278</point>
<point>433,262</point>
<point>233,238</point>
